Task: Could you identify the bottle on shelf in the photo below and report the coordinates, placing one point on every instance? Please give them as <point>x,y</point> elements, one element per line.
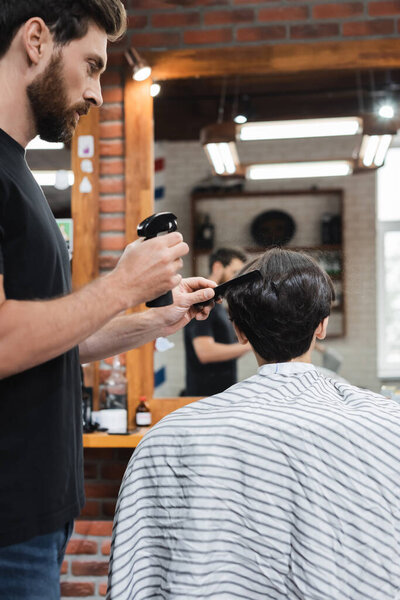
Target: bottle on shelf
<point>205,234</point>
<point>87,376</point>
<point>116,386</point>
<point>326,237</point>
<point>143,413</point>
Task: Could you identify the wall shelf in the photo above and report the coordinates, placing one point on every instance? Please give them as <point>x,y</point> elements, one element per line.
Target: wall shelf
<point>105,440</point>
<point>232,214</point>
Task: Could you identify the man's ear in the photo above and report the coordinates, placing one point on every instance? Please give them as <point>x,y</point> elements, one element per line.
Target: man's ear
<point>240,335</point>
<point>37,40</point>
<point>320,332</point>
<point>217,270</point>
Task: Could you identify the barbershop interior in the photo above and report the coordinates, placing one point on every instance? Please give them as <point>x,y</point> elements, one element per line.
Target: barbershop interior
<point>256,124</point>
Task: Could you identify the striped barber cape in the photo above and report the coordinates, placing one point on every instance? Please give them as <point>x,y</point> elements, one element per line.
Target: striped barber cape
<point>285,487</point>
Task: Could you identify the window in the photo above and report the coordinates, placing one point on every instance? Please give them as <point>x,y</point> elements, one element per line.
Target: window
<point>388,274</point>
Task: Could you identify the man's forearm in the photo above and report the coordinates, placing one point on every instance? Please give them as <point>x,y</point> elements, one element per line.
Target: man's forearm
<point>211,351</point>
<point>121,334</point>
<point>35,332</point>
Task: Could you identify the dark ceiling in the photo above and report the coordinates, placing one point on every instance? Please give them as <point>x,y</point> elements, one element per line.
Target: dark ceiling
<point>184,106</point>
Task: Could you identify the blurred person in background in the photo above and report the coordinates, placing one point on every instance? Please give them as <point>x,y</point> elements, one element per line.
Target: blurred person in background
<point>211,346</point>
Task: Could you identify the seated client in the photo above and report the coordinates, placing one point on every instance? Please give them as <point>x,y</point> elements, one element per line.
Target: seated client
<point>286,486</point>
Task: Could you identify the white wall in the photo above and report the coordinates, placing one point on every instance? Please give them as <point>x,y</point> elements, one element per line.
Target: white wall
<point>186,165</point>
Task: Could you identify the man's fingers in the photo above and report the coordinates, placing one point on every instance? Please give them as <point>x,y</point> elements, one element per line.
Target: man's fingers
<point>201,295</point>
<point>196,283</point>
<point>172,239</point>
<point>201,315</point>
<point>176,280</point>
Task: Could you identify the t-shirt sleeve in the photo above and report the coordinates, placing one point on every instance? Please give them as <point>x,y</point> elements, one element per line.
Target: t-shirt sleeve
<point>202,328</point>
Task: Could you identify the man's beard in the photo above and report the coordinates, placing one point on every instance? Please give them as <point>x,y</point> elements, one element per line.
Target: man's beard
<point>54,120</point>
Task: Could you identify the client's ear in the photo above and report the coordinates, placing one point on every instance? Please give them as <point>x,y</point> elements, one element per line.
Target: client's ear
<point>240,335</point>
<point>320,332</point>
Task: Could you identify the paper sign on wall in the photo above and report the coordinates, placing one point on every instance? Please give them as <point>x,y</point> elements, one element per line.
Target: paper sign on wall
<point>85,186</point>
<point>67,230</point>
<point>87,166</point>
<point>85,146</point>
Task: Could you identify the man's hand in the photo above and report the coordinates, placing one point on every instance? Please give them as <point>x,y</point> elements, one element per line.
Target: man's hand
<point>147,269</point>
<point>187,293</point>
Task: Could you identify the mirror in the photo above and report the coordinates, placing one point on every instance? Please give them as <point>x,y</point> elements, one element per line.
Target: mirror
<point>184,185</point>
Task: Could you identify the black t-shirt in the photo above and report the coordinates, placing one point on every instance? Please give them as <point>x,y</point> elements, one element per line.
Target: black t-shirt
<point>41,473</point>
<point>213,377</point>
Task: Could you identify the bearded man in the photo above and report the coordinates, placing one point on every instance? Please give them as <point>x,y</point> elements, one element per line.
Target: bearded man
<point>51,57</point>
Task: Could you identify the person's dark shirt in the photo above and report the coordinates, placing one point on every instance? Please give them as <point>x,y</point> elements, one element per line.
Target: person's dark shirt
<point>212,377</point>
<point>41,474</point>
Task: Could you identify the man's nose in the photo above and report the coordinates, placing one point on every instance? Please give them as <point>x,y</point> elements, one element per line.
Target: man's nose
<point>94,95</point>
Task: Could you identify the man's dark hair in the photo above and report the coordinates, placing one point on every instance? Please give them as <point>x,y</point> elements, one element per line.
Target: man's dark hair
<point>67,19</point>
<point>226,256</point>
<point>280,313</point>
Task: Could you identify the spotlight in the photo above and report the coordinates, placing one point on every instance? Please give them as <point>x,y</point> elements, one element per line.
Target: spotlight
<point>386,111</point>
<point>141,70</point>
<point>240,119</point>
<point>155,89</point>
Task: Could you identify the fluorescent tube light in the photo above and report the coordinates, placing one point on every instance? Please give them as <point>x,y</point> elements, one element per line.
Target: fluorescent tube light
<point>381,152</point>
<point>38,144</point>
<point>48,178</point>
<point>223,157</point>
<point>227,157</point>
<point>301,128</point>
<point>368,149</point>
<point>373,149</point>
<point>328,168</point>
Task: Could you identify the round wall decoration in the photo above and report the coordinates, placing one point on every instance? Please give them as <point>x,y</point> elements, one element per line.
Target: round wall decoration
<point>273,227</point>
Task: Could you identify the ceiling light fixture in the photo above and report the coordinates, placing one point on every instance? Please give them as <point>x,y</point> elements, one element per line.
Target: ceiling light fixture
<point>140,68</point>
<point>375,136</point>
<point>155,89</point>
<point>223,157</point>
<point>240,119</point>
<point>293,170</point>
<point>300,128</point>
<point>386,111</point>
<point>373,150</point>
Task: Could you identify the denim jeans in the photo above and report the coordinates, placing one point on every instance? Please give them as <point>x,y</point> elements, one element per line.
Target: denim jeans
<point>31,570</point>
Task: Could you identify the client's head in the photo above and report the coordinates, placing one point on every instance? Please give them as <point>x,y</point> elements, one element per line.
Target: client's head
<point>281,313</point>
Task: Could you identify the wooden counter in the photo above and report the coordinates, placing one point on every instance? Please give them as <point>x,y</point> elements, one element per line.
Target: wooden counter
<point>160,407</point>
<point>105,440</point>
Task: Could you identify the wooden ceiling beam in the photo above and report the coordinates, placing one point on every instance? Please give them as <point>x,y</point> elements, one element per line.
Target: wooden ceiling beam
<point>273,59</point>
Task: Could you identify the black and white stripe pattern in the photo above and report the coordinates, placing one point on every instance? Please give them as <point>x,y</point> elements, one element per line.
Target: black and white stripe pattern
<point>284,487</point>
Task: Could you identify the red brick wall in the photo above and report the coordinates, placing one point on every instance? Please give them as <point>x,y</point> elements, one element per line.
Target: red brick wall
<point>112,166</point>
<point>104,469</point>
<point>84,570</point>
<point>158,24</point>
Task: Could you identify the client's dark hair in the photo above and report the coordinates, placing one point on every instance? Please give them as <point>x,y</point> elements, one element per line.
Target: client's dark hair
<point>280,313</point>
<point>225,256</point>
